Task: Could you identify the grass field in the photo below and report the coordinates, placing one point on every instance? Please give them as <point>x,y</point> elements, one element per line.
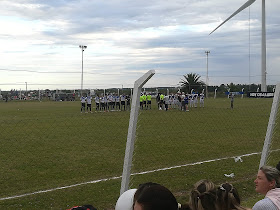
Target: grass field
<point>46,145</point>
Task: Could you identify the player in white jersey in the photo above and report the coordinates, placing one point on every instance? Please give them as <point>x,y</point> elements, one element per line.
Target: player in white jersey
<point>201,101</point>
<point>97,103</point>
<point>183,103</point>
<point>83,103</point>
<point>102,102</point>
<point>110,101</point>
<point>195,101</point>
<point>88,98</point>
<point>123,99</point>
<point>106,102</point>
<point>118,106</point>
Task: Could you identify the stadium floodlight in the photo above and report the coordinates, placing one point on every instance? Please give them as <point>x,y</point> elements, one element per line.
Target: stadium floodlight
<point>83,47</point>
<point>263,49</point>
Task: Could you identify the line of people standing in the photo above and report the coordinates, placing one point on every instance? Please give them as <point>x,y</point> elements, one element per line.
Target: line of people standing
<point>108,102</point>
<point>180,101</point>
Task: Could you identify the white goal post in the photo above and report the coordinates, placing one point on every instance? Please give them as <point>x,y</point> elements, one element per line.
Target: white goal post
<point>270,126</point>
<point>135,105</point>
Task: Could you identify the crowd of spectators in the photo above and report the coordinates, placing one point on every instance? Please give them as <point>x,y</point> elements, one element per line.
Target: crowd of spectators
<point>205,195</point>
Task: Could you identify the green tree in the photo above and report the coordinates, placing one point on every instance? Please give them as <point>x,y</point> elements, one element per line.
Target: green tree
<point>191,81</point>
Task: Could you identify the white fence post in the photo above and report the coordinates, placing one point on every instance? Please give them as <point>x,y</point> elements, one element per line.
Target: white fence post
<point>135,105</point>
<point>270,126</point>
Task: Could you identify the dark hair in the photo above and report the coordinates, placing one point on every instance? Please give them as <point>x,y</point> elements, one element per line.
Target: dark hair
<point>155,197</point>
<point>84,207</point>
<point>141,187</point>
<point>228,198</point>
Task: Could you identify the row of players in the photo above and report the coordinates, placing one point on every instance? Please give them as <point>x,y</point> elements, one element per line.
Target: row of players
<point>115,102</point>
<point>106,103</point>
<point>181,101</point>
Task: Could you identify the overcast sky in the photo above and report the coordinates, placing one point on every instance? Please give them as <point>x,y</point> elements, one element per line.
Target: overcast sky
<point>125,38</point>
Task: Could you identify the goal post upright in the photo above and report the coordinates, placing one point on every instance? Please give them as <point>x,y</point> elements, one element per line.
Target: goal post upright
<point>135,105</point>
<point>270,126</point>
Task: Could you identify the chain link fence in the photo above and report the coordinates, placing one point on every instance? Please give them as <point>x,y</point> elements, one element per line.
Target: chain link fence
<point>50,151</point>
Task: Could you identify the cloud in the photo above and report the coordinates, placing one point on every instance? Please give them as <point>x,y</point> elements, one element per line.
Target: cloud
<point>125,38</point>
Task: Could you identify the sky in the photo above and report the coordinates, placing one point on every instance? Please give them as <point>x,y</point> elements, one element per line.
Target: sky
<point>126,38</point>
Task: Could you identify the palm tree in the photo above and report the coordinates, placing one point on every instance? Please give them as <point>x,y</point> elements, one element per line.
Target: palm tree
<point>191,81</point>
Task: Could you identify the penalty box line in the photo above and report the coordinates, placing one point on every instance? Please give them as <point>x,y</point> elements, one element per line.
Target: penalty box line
<point>133,174</point>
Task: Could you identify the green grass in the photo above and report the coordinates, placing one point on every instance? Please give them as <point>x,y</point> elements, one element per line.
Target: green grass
<point>45,145</point>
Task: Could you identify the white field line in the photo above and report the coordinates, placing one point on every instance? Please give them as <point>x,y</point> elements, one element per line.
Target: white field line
<point>118,177</point>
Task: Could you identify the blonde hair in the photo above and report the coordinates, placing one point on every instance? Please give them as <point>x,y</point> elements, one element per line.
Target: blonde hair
<point>203,196</point>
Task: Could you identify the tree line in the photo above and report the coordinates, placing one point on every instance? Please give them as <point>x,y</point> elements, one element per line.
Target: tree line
<point>192,81</point>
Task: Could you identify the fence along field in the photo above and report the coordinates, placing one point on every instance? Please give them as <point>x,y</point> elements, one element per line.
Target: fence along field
<point>45,145</point>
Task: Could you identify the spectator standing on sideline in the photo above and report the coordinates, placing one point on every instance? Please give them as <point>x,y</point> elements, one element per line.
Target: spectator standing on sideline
<point>268,184</point>
<point>83,103</point>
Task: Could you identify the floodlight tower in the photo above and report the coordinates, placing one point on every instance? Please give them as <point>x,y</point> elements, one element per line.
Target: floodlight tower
<point>83,47</point>
<point>207,78</point>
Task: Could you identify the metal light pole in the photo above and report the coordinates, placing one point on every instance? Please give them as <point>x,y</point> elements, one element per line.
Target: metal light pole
<point>83,47</point>
<point>207,78</point>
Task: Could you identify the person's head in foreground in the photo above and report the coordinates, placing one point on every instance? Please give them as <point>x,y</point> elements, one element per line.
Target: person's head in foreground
<point>228,198</point>
<point>125,201</point>
<point>152,196</point>
<point>268,184</point>
<point>203,196</point>
<point>268,178</point>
